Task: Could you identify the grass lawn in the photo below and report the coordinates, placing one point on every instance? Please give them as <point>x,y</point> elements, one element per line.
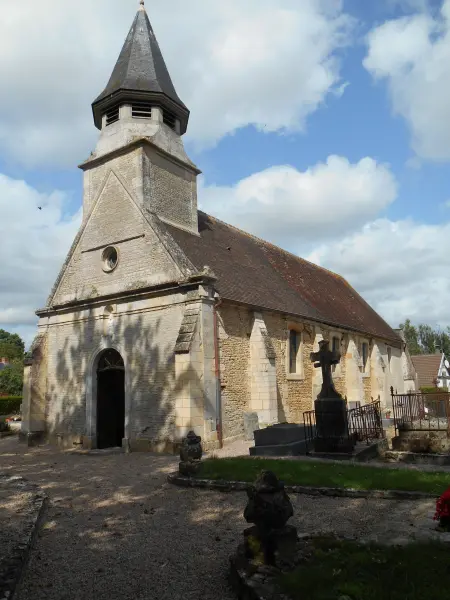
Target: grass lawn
<point>337,568</point>
<point>317,474</point>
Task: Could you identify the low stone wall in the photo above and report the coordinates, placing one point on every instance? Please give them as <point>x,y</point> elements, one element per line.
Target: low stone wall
<point>422,441</point>
<point>17,534</point>
<point>417,458</point>
<point>241,486</point>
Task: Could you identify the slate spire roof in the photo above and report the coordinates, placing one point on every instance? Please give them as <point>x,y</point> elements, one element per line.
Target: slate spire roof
<point>141,73</point>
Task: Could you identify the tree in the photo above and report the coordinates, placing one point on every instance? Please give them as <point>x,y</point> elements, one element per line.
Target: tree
<point>428,339</point>
<point>411,337</point>
<point>11,378</point>
<point>11,345</point>
<point>423,339</point>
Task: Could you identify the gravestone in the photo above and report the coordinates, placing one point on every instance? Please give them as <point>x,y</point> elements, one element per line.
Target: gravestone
<point>284,439</point>
<point>251,424</point>
<point>332,433</point>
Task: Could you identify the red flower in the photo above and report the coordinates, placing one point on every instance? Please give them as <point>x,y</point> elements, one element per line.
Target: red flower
<point>443,506</point>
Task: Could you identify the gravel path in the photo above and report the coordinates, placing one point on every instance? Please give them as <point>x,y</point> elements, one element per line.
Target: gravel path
<point>115,529</point>
<point>14,505</point>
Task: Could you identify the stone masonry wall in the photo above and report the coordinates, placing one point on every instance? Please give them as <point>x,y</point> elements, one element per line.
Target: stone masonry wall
<point>144,332</point>
<point>295,395</point>
<point>143,261</point>
<point>234,347</point>
<point>127,166</point>
<point>170,190</point>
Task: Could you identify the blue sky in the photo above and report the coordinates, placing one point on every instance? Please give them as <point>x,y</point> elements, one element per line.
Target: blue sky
<point>363,82</point>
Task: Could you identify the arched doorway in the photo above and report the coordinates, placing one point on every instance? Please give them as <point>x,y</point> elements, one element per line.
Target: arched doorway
<point>110,400</point>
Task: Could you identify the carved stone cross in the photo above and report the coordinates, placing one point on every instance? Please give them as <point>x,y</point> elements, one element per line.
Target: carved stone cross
<point>325,359</point>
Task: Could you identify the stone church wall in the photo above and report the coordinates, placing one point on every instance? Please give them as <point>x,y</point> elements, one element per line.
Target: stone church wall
<point>144,333</point>
<point>295,394</point>
<point>170,190</point>
<point>234,348</point>
<point>143,261</point>
<point>128,167</point>
<point>293,397</point>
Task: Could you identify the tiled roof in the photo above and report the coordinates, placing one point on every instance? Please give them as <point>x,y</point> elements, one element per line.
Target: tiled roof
<point>254,272</point>
<point>427,368</point>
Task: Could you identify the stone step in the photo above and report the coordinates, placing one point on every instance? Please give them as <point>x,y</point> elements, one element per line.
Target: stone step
<point>290,449</point>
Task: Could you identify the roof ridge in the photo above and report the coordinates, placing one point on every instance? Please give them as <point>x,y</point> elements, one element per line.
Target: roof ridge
<point>266,243</point>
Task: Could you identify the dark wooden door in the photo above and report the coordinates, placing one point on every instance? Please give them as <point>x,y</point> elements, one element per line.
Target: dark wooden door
<point>110,406</point>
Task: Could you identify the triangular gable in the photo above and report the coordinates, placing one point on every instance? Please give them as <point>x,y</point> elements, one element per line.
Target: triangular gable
<point>148,254</point>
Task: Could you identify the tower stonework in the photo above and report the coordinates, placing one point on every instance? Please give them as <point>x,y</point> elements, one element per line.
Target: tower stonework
<point>127,292</point>
<point>141,121</point>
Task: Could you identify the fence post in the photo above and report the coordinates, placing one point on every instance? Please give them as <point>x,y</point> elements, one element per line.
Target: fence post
<point>447,413</point>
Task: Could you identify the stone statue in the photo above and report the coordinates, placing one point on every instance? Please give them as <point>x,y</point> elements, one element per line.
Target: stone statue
<point>191,453</point>
<point>269,508</point>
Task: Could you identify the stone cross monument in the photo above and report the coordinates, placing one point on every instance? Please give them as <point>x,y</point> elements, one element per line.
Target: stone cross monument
<point>331,411</point>
<point>325,359</point>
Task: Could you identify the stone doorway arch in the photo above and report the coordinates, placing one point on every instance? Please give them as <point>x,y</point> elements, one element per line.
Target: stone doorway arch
<point>110,399</point>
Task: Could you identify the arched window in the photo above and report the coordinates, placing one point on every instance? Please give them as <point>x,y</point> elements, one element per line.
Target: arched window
<point>110,360</point>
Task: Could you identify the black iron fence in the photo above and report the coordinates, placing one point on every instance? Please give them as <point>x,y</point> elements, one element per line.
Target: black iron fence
<point>363,424</point>
<point>430,411</point>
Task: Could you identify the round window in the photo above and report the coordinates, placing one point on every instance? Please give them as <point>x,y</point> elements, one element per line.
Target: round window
<point>110,258</point>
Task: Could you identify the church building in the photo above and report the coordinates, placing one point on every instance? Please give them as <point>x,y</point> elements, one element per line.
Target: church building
<point>164,319</point>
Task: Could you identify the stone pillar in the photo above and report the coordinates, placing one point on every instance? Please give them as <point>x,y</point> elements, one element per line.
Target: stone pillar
<point>211,386</point>
<point>125,112</point>
<point>353,376</point>
<point>317,373</point>
<point>263,380</point>
<point>35,391</point>
<point>157,114</point>
<point>189,406</point>
<point>195,387</point>
<point>26,401</point>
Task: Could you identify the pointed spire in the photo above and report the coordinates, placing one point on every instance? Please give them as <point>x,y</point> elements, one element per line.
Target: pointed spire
<point>141,74</point>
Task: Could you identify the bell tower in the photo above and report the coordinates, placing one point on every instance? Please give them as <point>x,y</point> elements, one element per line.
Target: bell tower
<point>141,121</point>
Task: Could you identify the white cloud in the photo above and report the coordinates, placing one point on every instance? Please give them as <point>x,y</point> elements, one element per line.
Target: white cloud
<point>33,247</point>
<point>331,215</point>
<point>412,54</point>
<point>295,208</point>
<point>327,213</point>
<point>264,62</point>
<point>399,267</point>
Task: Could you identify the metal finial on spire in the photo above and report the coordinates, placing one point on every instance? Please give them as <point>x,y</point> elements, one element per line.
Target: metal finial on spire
<point>142,3</point>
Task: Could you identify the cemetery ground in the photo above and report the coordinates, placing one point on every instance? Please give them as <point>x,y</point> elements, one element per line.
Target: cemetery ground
<point>306,472</point>
<point>369,572</point>
<point>115,528</point>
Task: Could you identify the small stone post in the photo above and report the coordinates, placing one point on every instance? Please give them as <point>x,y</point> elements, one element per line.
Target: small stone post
<point>270,540</point>
<point>191,453</point>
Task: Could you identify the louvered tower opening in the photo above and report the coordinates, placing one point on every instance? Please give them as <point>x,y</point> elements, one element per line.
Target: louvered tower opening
<point>141,110</point>
<point>169,118</point>
<point>112,115</point>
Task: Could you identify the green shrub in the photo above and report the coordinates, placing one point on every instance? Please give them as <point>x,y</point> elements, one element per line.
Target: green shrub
<point>11,378</point>
<point>433,390</point>
<point>10,404</point>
